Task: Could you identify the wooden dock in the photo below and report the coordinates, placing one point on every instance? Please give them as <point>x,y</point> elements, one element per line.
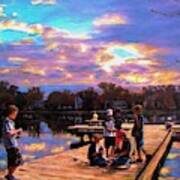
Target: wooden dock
<point>72,165</point>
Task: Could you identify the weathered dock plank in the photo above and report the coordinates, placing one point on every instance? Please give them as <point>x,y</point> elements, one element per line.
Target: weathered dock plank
<point>155,162</point>
<point>72,165</point>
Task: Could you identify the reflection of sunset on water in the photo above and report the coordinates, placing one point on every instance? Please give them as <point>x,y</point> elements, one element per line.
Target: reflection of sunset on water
<point>165,171</point>
<point>35,147</point>
<point>28,157</point>
<point>176,145</point>
<point>173,155</point>
<point>170,170</point>
<point>38,147</point>
<point>57,150</point>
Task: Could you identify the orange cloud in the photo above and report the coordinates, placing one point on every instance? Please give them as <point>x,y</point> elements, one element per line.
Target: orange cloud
<point>34,70</point>
<point>71,35</point>
<point>21,26</point>
<point>133,77</point>
<point>110,19</point>
<point>26,82</point>
<point>52,46</point>
<point>145,62</point>
<point>147,50</point>
<point>163,77</point>
<point>117,54</point>
<point>54,33</point>
<point>4,70</point>
<point>27,41</point>
<point>16,59</point>
<point>105,60</point>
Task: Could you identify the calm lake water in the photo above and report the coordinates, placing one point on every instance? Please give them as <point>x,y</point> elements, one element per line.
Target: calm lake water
<point>33,147</point>
<point>171,168</point>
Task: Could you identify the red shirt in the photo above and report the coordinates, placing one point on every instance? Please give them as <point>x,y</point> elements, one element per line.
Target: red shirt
<point>119,136</point>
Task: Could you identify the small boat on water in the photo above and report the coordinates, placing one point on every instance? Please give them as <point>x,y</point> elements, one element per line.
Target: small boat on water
<point>93,126</point>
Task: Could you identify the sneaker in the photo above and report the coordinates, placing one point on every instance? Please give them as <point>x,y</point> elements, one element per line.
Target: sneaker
<point>148,157</point>
<point>10,177</point>
<point>132,161</point>
<point>14,178</point>
<point>139,160</point>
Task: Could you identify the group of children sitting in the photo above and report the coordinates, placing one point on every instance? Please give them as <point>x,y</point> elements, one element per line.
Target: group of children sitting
<point>116,149</point>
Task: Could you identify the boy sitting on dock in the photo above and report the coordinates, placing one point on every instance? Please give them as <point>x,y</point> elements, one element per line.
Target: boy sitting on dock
<point>10,135</point>
<point>122,154</point>
<point>95,152</point>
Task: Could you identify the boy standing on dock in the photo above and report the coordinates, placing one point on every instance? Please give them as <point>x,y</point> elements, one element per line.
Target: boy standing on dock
<point>10,135</point>
<point>138,131</point>
<point>109,133</point>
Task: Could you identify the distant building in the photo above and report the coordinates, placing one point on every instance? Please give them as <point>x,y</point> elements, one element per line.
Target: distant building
<point>38,105</point>
<point>78,102</point>
<point>121,104</point>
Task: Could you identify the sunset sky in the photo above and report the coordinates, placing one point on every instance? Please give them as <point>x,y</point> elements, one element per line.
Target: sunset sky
<point>78,43</point>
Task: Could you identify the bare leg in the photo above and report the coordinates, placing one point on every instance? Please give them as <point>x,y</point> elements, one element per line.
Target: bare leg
<point>112,151</point>
<point>11,171</point>
<point>133,153</point>
<point>107,152</point>
<point>139,154</point>
<point>143,150</point>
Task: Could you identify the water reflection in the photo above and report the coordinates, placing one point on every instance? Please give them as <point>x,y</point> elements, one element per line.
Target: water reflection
<point>35,144</point>
<point>34,123</point>
<point>172,163</point>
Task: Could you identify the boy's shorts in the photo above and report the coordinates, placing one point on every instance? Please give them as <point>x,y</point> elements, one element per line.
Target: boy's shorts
<point>109,141</point>
<point>14,157</point>
<point>139,142</point>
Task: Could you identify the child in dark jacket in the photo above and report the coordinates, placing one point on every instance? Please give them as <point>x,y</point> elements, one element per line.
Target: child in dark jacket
<point>95,153</point>
<point>138,131</point>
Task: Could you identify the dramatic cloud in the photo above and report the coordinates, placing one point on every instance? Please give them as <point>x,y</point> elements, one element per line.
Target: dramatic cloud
<point>82,43</point>
<point>151,78</point>
<point>21,26</point>
<point>116,54</point>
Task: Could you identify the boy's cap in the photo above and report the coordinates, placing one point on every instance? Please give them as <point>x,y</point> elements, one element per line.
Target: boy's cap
<point>109,112</point>
<point>169,118</point>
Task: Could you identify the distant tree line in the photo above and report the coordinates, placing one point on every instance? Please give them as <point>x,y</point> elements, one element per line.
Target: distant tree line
<point>159,97</point>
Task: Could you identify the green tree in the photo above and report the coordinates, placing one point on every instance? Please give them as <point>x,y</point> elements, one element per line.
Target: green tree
<point>91,99</point>
<point>33,96</point>
<point>57,99</point>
